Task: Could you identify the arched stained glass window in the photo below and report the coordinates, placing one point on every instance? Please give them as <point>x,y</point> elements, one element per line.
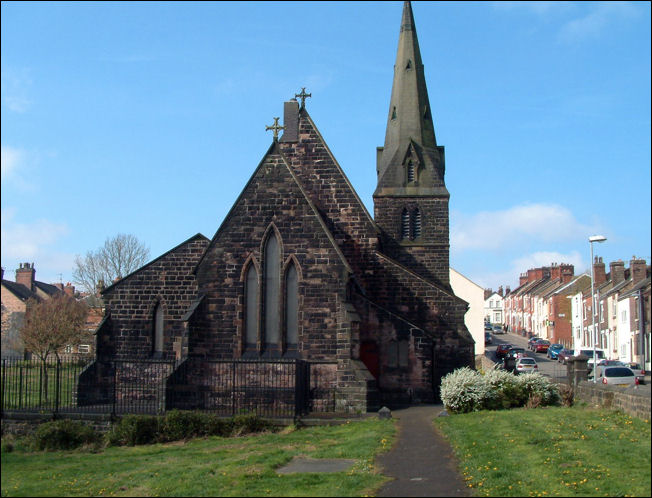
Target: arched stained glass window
<point>251,308</point>
<point>291,307</point>
<point>272,267</point>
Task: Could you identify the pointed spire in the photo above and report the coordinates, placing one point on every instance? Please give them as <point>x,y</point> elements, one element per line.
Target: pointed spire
<point>409,116</point>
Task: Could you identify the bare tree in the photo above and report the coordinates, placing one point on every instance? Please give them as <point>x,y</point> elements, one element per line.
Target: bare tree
<point>50,325</point>
<point>117,258</point>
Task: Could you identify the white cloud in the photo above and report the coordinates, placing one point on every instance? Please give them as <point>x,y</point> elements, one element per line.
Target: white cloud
<point>492,230</point>
<point>31,242</point>
<point>595,21</point>
<point>10,158</point>
<point>15,84</point>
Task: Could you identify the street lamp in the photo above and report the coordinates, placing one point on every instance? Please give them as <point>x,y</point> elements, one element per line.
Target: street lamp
<point>592,239</point>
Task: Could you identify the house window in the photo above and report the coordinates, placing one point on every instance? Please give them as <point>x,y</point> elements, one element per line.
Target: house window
<point>623,316</point>
<point>272,268</point>
<point>84,348</point>
<point>67,349</point>
<point>251,308</point>
<point>291,307</point>
<point>159,317</point>
<point>602,312</point>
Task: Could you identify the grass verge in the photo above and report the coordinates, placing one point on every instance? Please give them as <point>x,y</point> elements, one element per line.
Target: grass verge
<point>244,466</point>
<point>551,452</point>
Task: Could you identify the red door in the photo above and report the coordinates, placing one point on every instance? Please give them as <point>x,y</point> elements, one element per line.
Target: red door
<point>369,356</point>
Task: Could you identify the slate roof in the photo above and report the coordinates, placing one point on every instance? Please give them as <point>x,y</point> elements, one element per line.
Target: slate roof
<point>20,291</point>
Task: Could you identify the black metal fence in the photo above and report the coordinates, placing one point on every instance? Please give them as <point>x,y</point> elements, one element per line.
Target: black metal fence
<point>269,388</point>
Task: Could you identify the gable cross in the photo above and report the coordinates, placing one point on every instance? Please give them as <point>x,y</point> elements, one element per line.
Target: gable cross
<point>276,127</point>
<point>303,95</point>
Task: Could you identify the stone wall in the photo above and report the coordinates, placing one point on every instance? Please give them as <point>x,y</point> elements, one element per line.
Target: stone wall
<point>632,401</point>
<point>22,424</point>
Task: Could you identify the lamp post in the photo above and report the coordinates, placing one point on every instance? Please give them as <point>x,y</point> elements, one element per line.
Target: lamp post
<point>592,239</point>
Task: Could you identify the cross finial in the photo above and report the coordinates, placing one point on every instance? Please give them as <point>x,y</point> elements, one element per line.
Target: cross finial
<point>303,95</point>
<point>276,127</point>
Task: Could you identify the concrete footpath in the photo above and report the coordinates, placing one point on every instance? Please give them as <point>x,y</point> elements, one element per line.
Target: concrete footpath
<point>422,462</point>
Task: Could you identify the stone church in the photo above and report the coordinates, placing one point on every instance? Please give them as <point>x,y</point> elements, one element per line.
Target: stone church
<point>299,269</point>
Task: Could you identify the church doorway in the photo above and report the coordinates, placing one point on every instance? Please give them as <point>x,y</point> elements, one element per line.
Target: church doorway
<point>370,357</point>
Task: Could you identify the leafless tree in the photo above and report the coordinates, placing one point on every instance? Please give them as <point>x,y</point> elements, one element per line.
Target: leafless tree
<point>117,258</point>
<point>50,325</point>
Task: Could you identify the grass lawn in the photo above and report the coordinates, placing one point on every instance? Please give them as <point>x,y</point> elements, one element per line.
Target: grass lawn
<point>243,466</point>
<point>551,452</point>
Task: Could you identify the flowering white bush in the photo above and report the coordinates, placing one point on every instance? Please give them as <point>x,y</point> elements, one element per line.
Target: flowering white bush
<point>536,385</point>
<point>465,390</point>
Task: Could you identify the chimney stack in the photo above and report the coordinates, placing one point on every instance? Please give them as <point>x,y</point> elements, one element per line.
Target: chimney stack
<point>25,275</point>
<point>500,291</point>
<point>599,275</point>
<point>69,289</point>
<point>617,270</point>
<point>637,269</point>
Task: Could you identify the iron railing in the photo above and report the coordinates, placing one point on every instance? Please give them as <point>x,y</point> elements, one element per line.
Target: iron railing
<point>268,388</point>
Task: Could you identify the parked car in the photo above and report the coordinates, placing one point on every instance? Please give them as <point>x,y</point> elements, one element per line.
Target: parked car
<point>532,340</point>
<point>488,327</point>
<point>541,346</point>
<point>487,337</point>
<point>498,329</point>
<point>554,350</point>
<point>564,354</point>
<point>617,376</point>
<point>516,352</point>
<point>599,353</point>
<point>526,365</point>
<point>501,350</point>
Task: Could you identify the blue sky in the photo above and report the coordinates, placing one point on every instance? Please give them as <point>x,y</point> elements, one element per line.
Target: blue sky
<point>149,118</point>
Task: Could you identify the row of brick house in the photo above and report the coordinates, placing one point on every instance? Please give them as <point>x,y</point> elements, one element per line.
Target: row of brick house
<point>553,303</point>
<point>15,299</point>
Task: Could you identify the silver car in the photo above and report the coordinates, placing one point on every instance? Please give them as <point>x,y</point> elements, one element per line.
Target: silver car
<point>526,365</point>
<point>617,376</point>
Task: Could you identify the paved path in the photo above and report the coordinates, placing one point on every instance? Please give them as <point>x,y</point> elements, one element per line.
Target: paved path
<point>422,462</point>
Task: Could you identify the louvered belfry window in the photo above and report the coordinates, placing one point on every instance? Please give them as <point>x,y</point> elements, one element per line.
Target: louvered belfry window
<point>416,218</point>
<point>405,224</point>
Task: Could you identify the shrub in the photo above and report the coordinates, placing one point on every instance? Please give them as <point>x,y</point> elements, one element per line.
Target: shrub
<point>179,424</point>
<point>465,390</point>
<point>508,392</point>
<point>63,435</point>
<point>134,429</point>
<point>567,394</point>
<point>536,385</point>
<point>247,424</point>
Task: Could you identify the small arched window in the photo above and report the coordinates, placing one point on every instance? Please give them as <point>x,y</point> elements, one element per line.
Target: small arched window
<point>405,224</point>
<point>158,325</point>
<point>291,307</point>
<point>251,308</point>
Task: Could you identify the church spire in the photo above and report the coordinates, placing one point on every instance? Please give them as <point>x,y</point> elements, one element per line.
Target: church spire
<point>409,116</point>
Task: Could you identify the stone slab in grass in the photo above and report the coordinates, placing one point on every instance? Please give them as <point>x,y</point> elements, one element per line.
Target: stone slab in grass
<point>322,465</point>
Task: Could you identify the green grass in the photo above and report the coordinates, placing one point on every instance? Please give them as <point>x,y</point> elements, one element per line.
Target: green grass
<point>242,466</point>
<point>551,452</point>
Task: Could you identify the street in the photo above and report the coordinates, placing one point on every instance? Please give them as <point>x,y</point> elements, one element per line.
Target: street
<point>547,367</point>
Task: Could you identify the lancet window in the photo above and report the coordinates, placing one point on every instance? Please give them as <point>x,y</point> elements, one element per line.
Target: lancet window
<point>157,329</point>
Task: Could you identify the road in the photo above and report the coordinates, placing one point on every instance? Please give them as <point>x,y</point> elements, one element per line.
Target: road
<point>549,368</point>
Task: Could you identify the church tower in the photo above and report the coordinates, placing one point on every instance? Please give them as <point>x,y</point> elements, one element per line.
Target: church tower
<point>411,199</point>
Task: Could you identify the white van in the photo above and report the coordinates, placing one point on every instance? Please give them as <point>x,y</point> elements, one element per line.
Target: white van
<point>599,353</point>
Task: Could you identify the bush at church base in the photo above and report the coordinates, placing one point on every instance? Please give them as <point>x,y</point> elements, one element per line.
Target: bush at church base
<point>466,390</point>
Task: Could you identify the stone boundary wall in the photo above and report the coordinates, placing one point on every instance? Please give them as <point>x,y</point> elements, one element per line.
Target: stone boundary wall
<point>483,363</point>
<point>22,424</point>
<point>627,400</point>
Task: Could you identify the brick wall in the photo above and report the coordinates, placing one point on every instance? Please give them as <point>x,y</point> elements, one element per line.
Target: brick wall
<point>628,400</point>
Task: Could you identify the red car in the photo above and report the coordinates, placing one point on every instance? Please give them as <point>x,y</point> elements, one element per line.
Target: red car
<point>541,346</point>
<point>502,349</point>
